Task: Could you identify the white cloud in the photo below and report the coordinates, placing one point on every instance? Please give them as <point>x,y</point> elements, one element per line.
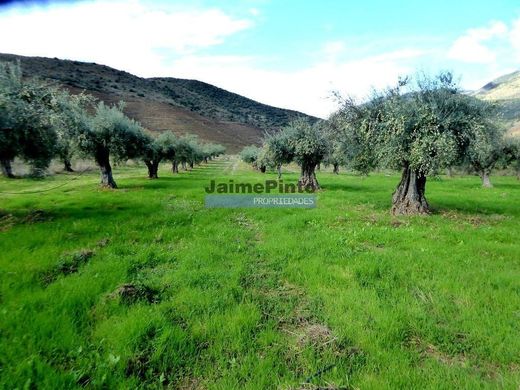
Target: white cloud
<point>333,48</point>
<point>471,47</point>
<point>514,38</point>
<point>254,11</point>
<point>125,35</point>
<point>308,89</point>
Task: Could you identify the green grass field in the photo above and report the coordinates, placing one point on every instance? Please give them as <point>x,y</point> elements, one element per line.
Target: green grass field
<point>143,287</point>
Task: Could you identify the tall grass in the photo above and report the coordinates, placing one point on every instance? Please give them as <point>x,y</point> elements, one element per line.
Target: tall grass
<point>144,287</point>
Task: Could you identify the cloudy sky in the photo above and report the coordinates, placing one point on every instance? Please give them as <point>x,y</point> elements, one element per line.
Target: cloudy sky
<point>287,53</point>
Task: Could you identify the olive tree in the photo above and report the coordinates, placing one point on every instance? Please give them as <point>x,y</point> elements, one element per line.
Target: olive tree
<point>166,144</point>
<point>420,126</point>
<point>9,137</point>
<point>70,118</point>
<point>512,153</point>
<point>26,129</point>
<point>152,156</point>
<point>199,153</point>
<point>157,149</point>
<point>351,143</point>
<point>249,155</point>
<point>196,155</point>
<point>278,150</point>
<point>186,152</point>
<point>210,151</point>
<point>485,148</point>
<point>336,156</point>
<point>262,161</point>
<point>309,143</point>
<point>111,134</point>
<point>217,150</point>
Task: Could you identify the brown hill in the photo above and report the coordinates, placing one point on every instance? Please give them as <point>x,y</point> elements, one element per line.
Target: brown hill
<point>505,90</point>
<point>183,106</point>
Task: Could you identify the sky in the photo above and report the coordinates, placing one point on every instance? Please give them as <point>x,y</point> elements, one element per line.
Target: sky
<point>288,53</point>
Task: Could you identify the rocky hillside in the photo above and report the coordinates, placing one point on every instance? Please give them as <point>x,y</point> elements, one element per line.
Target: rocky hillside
<point>506,91</point>
<point>183,106</point>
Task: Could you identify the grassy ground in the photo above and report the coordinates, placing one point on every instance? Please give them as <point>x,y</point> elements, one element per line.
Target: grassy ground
<point>144,287</point>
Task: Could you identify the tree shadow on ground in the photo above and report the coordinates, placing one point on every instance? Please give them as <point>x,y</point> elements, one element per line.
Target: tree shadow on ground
<point>344,187</point>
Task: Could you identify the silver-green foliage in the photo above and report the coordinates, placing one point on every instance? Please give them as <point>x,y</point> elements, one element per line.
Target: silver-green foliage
<point>307,141</point>
<point>425,124</point>
<point>277,148</point>
<point>26,128</point>
<point>512,153</point>
<point>250,154</point>
<point>70,118</point>
<point>112,133</point>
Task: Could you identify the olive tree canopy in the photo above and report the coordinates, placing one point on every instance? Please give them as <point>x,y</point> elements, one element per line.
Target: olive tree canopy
<point>310,145</point>
<point>26,128</point>
<point>420,126</point>
<point>210,151</point>
<point>249,155</point>
<point>70,118</point>
<point>278,150</point>
<point>111,134</point>
<point>486,145</point>
<point>512,153</point>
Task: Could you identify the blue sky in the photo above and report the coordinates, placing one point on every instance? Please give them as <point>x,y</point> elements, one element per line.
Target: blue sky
<point>286,53</point>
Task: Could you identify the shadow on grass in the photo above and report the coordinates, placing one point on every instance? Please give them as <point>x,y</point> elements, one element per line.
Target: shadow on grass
<point>504,186</point>
<point>344,187</point>
<point>155,184</point>
<point>476,208</point>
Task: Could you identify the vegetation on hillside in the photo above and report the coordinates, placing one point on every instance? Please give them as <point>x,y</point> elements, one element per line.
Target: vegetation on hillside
<point>202,98</point>
<point>218,103</point>
<point>505,91</point>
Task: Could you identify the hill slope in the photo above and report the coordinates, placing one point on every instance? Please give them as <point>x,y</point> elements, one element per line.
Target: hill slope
<point>506,91</point>
<point>183,106</point>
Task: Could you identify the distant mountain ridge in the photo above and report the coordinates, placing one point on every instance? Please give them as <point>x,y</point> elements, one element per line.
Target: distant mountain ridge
<point>167,103</point>
<point>504,87</point>
<point>505,90</point>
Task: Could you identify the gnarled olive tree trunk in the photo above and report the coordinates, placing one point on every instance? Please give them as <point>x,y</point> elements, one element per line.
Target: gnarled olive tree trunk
<point>175,166</point>
<point>409,197</point>
<point>279,170</point>
<point>67,165</point>
<point>103,161</point>
<point>7,170</point>
<point>153,168</point>
<point>484,175</point>
<point>335,169</point>
<point>308,179</point>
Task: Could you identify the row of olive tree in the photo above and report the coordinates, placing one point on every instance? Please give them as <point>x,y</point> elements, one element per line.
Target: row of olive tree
<point>185,150</point>
<point>39,122</point>
<point>420,126</point>
<point>301,142</point>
